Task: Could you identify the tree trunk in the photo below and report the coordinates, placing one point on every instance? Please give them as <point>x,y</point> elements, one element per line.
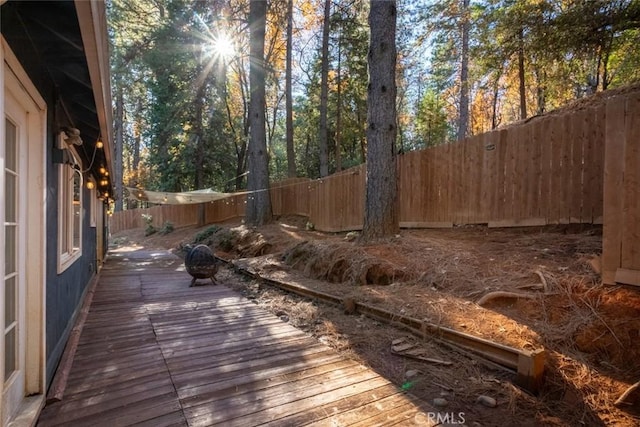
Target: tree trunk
<point>324,93</point>
<point>258,210</point>
<point>381,202</point>
<point>199,139</point>
<point>521,77</point>
<point>239,141</point>
<point>362,140</point>
<point>119,144</point>
<point>463,120</point>
<point>338,153</point>
<point>606,79</point>
<point>541,92</point>
<point>494,103</point>
<point>291,156</point>
<point>137,141</point>
<point>307,150</point>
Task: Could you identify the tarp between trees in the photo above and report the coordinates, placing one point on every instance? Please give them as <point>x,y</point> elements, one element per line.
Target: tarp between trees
<point>167,198</point>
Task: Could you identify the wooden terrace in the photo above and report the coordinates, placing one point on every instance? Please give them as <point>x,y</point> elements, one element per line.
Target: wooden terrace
<point>155,352</point>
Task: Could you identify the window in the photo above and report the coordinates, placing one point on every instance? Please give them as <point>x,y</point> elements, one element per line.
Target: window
<point>69,212</point>
<point>93,205</point>
<point>11,271</point>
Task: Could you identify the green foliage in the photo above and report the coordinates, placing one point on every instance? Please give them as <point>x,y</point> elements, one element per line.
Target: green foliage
<point>349,42</point>
<point>185,111</point>
<point>206,234</point>
<point>167,228</point>
<point>148,219</point>
<point>149,228</point>
<point>432,127</point>
<point>226,240</point>
<point>177,136</point>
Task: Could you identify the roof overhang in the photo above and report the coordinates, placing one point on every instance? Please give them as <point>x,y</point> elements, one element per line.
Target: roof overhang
<point>66,43</point>
<point>92,17</point>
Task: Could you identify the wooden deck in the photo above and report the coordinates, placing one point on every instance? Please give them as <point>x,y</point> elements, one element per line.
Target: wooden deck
<point>155,352</point>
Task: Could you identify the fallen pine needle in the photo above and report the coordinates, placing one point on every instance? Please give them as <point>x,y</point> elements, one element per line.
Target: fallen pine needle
<point>623,397</point>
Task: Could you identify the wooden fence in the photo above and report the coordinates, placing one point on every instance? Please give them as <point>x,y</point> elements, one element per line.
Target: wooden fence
<point>178,215</point>
<point>290,196</point>
<point>547,171</point>
<point>550,170</point>
<point>336,203</point>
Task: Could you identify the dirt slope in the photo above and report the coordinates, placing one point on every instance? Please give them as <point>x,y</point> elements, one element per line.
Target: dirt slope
<point>590,331</point>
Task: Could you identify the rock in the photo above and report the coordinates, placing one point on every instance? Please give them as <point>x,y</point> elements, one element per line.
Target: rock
<point>440,402</point>
<point>487,401</point>
<point>411,373</point>
<point>351,236</point>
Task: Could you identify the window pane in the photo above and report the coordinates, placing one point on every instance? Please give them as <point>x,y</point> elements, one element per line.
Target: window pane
<point>10,186</point>
<point>10,245</point>
<point>63,214</point>
<point>10,148</point>
<point>10,301</point>
<point>77,212</point>
<point>11,347</point>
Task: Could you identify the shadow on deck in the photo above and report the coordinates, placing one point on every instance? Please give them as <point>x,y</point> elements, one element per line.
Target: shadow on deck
<point>155,352</point>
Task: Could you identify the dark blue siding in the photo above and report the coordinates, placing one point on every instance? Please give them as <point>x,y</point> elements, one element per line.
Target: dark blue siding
<point>64,291</point>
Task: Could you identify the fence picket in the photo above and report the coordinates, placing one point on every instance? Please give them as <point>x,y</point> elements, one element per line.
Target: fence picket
<point>598,164</point>
<point>577,166</point>
<point>631,189</point>
<point>613,180</point>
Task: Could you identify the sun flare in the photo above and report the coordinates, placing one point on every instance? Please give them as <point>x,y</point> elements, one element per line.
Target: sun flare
<point>222,46</point>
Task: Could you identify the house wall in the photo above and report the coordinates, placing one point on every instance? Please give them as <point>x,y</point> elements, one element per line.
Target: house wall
<point>65,291</point>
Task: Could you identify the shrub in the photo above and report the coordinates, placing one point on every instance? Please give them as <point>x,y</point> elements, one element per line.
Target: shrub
<point>167,228</point>
<point>205,234</point>
<point>227,240</point>
<point>149,229</point>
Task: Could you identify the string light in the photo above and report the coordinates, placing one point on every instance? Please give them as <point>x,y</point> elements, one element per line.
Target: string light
<point>90,185</point>
<point>99,144</point>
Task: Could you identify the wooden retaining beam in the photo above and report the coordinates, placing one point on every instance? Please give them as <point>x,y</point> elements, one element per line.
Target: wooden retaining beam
<point>527,365</point>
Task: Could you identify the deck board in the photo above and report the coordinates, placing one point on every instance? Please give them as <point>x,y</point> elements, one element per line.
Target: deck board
<point>155,352</point>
